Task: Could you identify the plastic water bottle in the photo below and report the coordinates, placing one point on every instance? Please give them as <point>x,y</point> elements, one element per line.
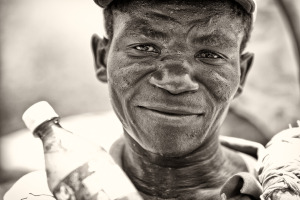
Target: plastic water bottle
<point>76,168</point>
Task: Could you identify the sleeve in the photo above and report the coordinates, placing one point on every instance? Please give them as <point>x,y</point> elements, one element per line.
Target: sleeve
<point>32,186</point>
<point>242,185</point>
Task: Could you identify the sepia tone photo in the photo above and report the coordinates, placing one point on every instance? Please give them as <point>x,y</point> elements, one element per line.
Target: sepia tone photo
<point>150,99</point>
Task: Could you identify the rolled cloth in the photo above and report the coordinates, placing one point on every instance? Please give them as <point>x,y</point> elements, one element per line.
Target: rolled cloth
<point>279,166</point>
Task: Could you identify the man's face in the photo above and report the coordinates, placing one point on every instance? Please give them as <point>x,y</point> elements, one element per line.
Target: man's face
<point>172,72</point>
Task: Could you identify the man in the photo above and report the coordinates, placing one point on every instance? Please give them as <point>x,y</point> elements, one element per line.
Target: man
<point>172,69</point>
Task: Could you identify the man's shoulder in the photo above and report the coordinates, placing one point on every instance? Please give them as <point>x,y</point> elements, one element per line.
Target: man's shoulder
<point>29,186</point>
<point>241,145</point>
<point>248,150</point>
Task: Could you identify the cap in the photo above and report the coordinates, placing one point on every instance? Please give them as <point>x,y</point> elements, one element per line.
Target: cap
<point>37,114</point>
<point>249,5</point>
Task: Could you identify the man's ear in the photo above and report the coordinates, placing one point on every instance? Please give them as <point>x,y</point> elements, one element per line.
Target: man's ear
<point>246,61</point>
<point>100,48</point>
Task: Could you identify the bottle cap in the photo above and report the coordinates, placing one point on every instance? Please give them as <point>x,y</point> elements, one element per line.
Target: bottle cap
<point>37,114</point>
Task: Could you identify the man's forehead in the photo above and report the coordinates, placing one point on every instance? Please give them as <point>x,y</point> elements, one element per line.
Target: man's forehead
<point>189,12</point>
<point>199,30</point>
<point>148,22</point>
<point>139,17</point>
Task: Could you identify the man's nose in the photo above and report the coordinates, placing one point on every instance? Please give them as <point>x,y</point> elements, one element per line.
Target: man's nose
<point>176,78</point>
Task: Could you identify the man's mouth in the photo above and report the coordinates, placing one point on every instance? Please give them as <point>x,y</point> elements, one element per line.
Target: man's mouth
<point>172,112</point>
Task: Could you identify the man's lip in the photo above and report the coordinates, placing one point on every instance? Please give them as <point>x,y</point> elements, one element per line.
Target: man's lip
<point>171,111</point>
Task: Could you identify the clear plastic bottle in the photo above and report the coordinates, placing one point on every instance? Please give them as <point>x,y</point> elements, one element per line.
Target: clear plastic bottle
<point>76,168</point>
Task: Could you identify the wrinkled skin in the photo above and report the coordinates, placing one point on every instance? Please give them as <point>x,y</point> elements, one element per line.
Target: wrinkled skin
<point>172,71</point>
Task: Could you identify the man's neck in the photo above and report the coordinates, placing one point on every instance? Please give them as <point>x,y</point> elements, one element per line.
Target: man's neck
<point>205,169</point>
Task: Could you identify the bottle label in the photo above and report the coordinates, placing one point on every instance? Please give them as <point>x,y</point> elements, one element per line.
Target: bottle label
<point>100,177</point>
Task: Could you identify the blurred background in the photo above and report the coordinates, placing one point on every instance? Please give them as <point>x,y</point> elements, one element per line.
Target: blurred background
<point>45,55</point>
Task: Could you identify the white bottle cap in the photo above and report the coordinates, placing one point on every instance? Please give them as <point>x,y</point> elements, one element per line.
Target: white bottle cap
<point>37,114</point>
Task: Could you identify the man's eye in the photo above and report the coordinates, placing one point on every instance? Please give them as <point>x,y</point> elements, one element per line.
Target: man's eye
<point>146,47</point>
<point>209,55</point>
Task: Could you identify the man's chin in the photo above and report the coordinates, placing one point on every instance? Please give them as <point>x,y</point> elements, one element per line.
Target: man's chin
<point>170,136</point>
<point>173,145</point>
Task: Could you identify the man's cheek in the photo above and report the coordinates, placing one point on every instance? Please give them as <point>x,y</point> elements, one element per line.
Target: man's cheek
<point>222,85</point>
<point>120,78</point>
<point>126,72</point>
<point>116,101</point>
<point>224,90</point>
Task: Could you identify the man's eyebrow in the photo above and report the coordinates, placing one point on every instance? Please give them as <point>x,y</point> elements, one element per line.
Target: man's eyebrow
<point>160,16</point>
<point>202,21</point>
<point>142,27</point>
<point>215,40</point>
